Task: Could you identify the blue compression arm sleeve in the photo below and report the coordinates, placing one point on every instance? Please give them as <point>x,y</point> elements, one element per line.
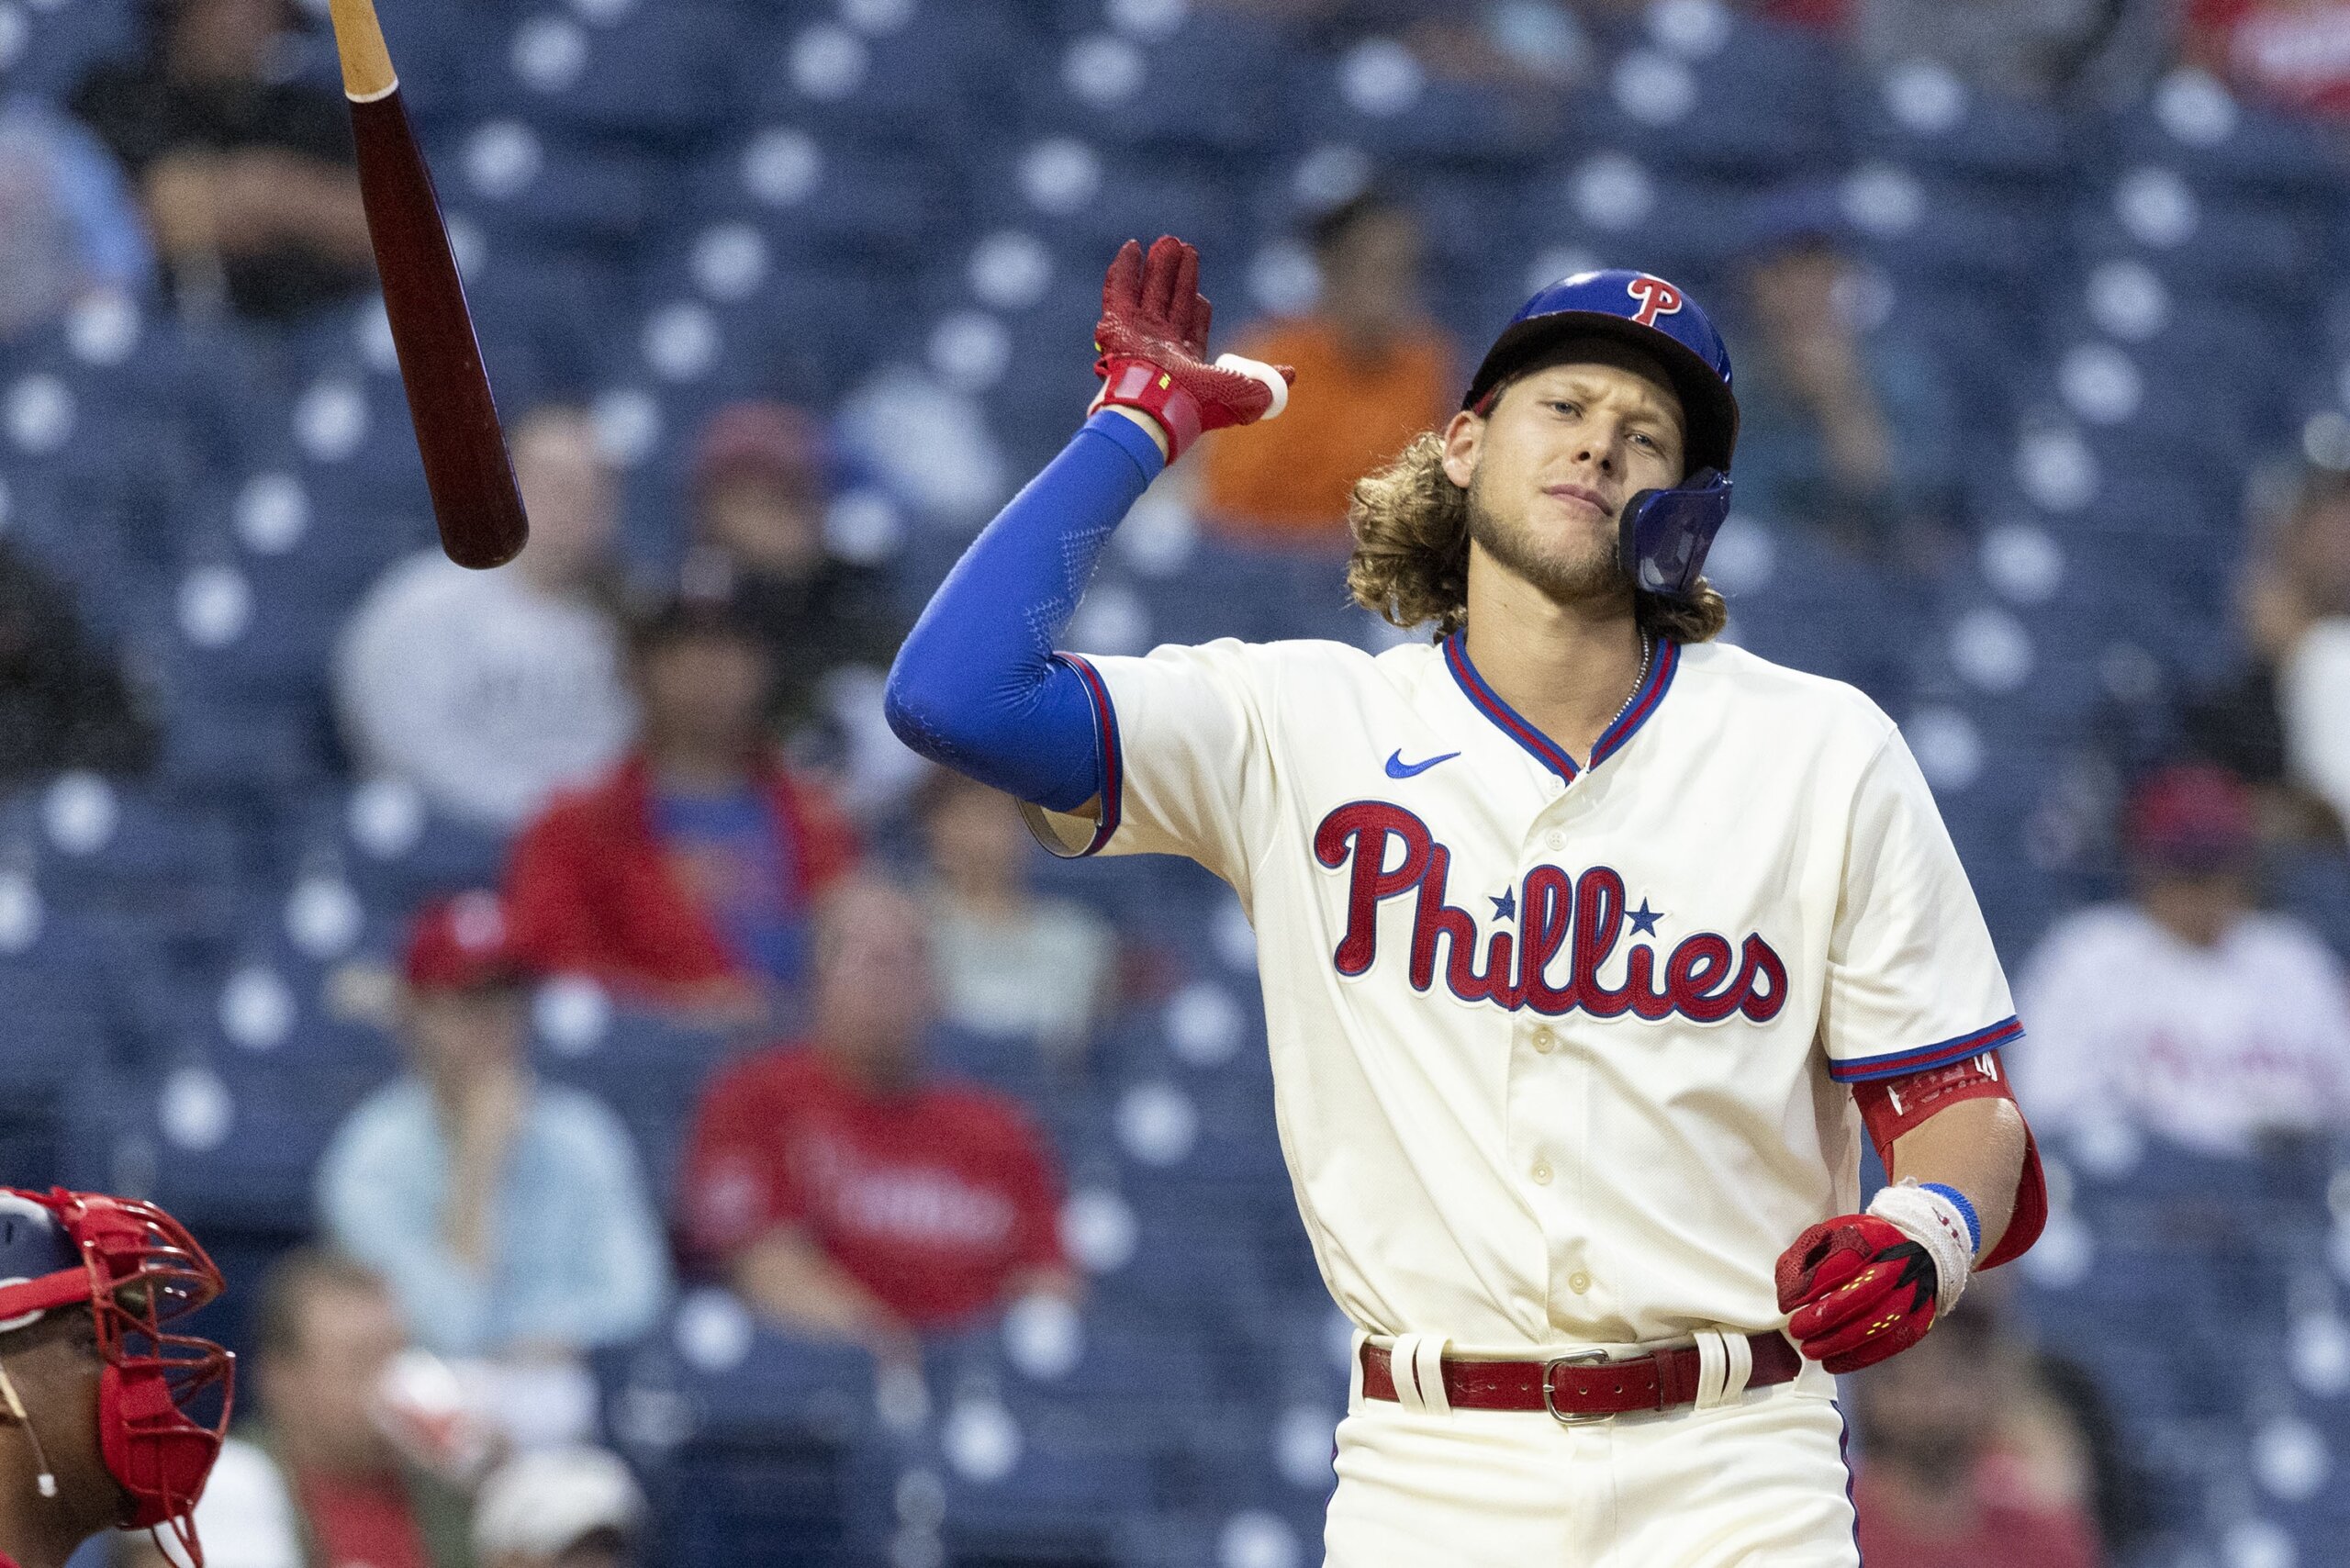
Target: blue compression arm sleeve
<point>975,686</point>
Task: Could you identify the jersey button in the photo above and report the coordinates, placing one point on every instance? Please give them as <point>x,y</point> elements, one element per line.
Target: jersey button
<point>1556,840</point>
<point>1541,1175</point>
<point>1546,1039</point>
<point>1579,1283</point>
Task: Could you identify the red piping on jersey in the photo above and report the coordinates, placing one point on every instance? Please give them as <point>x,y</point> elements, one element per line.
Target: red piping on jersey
<point>1941,1054</point>
<point>1546,751</point>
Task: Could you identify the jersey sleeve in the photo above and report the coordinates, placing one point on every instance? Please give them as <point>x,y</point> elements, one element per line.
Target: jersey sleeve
<point>1186,764</point>
<point>1913,981</point>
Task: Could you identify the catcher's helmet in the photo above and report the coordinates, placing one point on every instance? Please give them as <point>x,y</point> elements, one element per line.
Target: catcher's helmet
<point>1665,534</point>
<point>163,1396</point>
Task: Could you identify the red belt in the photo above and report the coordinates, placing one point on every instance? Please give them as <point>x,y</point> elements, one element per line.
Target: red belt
<point>1583,1388</point>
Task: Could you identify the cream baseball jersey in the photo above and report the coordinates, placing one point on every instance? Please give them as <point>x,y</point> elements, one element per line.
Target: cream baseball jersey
<point>1560,1048</point>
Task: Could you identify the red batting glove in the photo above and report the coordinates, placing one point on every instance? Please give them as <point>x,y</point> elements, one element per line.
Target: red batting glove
<point>1153,343</point>
<point>1857,1290</point>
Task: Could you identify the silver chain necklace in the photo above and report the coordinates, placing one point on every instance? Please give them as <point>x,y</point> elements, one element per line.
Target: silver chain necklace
<point>1648,651</point>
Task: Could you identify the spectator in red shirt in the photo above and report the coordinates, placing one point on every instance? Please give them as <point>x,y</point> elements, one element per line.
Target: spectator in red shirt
<point>685,877</point>
<point>1941,1486</point>
<point>843,1193</point>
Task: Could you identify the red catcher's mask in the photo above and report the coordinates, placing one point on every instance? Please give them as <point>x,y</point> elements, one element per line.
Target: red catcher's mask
<point>163,1398</point>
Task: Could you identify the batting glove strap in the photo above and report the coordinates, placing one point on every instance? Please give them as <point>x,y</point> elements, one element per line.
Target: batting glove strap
<point>1940,1220</point>
<point>1139,383</point>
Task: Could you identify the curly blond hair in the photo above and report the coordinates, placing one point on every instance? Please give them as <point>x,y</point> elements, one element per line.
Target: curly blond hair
<point>1410,564</point>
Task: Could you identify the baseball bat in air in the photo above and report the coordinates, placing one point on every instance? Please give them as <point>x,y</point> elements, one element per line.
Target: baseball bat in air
<point>465,463</point>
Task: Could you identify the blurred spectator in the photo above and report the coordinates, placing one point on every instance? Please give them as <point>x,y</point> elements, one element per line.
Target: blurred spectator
<point>63,702</point>
<point>559,1508</point>
<point>2280,723</point>
<point>1943,1482</point>
<point>246,174</point>
<point>843,1193</point>
<point>511,1216</point>
<point>68,227</point>
<point>315,1481</point>
<point>490,691</point>
<point>685,876</point>
<point>2186,1012</point>
<point>1842,429</point>
<point>2302,619</point>
<point>1372,372</point>
<point>2030,49</point>
<point>760,495</point>
<point>1007,961</point>
<point>2294,54</point>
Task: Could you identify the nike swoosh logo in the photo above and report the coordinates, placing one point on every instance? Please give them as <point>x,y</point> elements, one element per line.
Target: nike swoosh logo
<point>1398,768</point>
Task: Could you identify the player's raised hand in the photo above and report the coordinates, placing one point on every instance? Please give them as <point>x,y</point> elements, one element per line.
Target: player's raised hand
<point>1152,344</point>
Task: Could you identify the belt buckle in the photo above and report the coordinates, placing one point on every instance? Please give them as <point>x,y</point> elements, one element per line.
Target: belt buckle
<point>1549,1400</point>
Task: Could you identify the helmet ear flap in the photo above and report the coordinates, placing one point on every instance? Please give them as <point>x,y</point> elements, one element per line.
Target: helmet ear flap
<point>1662,536</point>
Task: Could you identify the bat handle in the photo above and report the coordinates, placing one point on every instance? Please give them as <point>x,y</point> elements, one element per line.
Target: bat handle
<point>367,73</point>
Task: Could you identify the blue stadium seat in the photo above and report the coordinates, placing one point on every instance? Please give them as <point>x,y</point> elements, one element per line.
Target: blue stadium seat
<point>1216,84</point>
<point>920,84</point>
<point>112,848</point>
<point>1070,1476</point>
<point>757,1446</point>
<point>59,43</point>
<point>1927,118</point>
<point>2233,145</point>
<point>811,195</point>
<point>1968,231</point>
<point>2226,243</point>
<point>228,1139</point>
<point>387,840</point>
<point>649,1068</point>
<point>1759,105</point>
<point>643,74</point>
<point>1378,98</point>
<point>514,183</point>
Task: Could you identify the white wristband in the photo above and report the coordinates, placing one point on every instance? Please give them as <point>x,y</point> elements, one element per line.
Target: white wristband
<point>1934,1223</point>
<point>1257,370</point>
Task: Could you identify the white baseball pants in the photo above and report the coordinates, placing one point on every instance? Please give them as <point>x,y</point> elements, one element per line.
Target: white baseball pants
<point>1760,1483</point>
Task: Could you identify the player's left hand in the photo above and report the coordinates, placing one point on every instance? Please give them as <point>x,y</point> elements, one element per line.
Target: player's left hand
<point>1857,1291</point>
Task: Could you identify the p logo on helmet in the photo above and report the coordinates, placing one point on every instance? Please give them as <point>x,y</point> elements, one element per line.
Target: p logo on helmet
<point>1657,298</point>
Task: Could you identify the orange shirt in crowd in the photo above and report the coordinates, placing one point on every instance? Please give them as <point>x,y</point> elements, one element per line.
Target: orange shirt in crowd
<point>1286,481</point>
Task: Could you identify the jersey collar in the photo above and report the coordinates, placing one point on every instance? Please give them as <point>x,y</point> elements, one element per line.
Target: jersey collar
<point>1546,751</point>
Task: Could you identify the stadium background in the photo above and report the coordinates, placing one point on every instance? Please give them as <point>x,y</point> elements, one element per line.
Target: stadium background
<point>668,204</point>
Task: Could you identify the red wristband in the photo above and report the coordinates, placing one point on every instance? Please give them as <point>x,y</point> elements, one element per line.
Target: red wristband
<point>1139,384</point>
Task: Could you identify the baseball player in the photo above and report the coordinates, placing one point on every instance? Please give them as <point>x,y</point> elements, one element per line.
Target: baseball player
<point>109,1419</point>
<point>1589,945</point>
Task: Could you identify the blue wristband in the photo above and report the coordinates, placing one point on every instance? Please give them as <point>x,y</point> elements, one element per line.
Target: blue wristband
<point>1966,1210</point>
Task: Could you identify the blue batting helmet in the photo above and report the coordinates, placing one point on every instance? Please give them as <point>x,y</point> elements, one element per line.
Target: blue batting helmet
<point>1664,533</point>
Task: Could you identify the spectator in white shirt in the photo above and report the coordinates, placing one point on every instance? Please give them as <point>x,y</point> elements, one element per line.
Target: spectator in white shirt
<point>1008,962</point>
<point>488,690</point>
<point>2186,1012</point>
<point>2300,604</point>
